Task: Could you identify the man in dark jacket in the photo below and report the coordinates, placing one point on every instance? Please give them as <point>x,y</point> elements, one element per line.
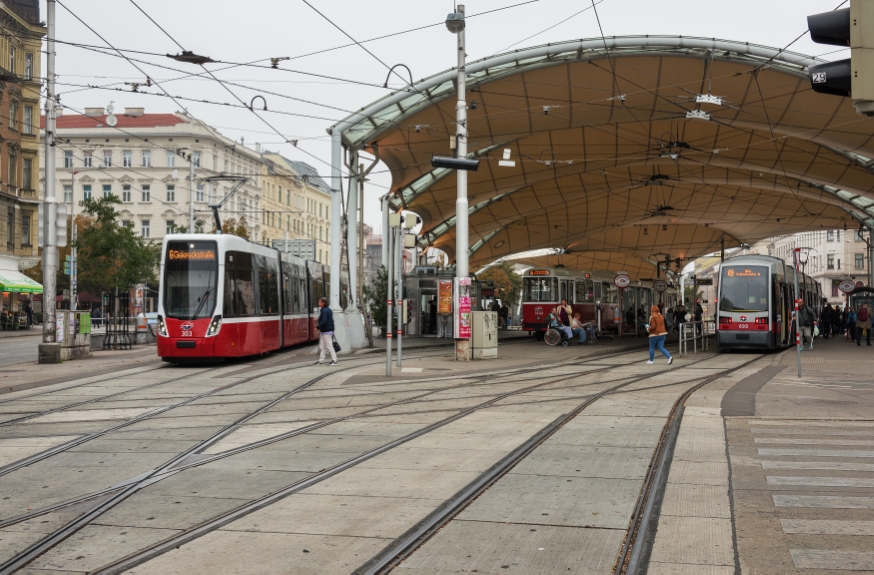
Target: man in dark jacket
<point>325,326</point>
<point>807,315</point>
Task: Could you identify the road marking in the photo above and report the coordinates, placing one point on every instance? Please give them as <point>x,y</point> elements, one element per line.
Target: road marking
<point>798,423</point>
<point>822,481</point>
<point>826,465</point>
<point>816,452</point>
<point>827,527</point>
<point>841,560</point>
<point>824,501</point>
<point>811,441</point>
<point>853,432</point>
<point>411,370</point>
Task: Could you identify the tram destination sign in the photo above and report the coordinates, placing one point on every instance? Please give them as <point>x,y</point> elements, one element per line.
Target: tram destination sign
<point>622,281</point>
<point>660,286</point>
<point>847,286</point>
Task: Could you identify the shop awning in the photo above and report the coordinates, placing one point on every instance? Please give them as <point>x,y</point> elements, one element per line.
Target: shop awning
<point>12,281</point>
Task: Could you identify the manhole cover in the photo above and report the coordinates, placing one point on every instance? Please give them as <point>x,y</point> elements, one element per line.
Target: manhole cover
<point>835,402</point>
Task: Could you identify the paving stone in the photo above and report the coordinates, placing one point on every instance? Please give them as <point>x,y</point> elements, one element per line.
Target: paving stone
<point>694,540</point>
<point>223,483</point>
<point>687,500</point>
<point>145,509</point>
<point>587,461</point>
<point>414,484</point>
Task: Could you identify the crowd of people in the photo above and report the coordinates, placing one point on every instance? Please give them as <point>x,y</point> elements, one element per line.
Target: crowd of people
<point>835,322</point>
<point>565,320</point>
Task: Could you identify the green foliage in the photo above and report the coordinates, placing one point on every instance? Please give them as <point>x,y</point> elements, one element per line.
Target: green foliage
<point>111,255</point>
<point>692,293</point>
<point>234,228</point>
<point>508,284</point>
<point>376,296</point>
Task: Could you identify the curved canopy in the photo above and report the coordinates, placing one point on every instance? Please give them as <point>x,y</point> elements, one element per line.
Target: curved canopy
<point>653,149</point>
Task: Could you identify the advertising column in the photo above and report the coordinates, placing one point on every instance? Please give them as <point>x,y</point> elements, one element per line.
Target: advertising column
<point>462,322</point>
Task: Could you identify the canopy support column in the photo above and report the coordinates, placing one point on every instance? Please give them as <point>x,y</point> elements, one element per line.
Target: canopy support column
<point>352,225</point>
<point>336,216</point>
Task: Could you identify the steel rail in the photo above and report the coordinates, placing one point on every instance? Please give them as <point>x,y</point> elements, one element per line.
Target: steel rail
<point>409,542</point>
<point>78,385</point>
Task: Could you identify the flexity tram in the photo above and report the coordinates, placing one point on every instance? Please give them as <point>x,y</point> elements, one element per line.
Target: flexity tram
<point>593,295</point>
<point>222,296</point>
<point>756,296</point>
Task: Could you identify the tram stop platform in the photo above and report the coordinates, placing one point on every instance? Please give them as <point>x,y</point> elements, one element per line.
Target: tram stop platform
<point>578,459</point>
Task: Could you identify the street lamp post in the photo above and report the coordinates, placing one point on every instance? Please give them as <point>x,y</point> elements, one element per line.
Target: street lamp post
<point>50,249</point>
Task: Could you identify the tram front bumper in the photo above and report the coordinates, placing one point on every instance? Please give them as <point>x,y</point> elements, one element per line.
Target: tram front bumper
<point>726,339</point>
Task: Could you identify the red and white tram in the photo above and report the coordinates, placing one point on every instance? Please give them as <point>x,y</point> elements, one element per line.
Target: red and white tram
<point>593,295</point>
<point>222,296</point>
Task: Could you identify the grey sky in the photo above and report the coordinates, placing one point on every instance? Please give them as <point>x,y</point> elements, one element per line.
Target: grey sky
<point>257,30</point>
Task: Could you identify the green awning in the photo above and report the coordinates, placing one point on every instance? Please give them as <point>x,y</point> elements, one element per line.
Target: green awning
<point>11,281</point>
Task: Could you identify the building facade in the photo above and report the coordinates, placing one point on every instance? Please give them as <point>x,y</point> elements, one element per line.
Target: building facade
<point>145,160</point>
<point>20,83</point>
<point>300,201</point>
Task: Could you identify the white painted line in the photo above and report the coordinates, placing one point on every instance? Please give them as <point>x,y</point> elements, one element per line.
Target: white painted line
<point>812,441</point>
<point>807,423</point>
<point>816,452</point>
<point>411,370</point>
<point>837,560</point>
<point>821,432</point>
<point>826,465</point>
<point>822,481</point>
<point>827,527</point>
<point>824,501</point>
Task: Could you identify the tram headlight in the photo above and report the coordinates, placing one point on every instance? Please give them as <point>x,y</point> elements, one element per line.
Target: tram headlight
<point>215,326</point>
<point>162,327</point>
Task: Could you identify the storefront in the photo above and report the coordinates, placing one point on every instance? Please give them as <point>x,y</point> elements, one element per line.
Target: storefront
<point>16,293</point>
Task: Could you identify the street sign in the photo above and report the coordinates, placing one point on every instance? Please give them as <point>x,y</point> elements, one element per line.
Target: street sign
<point>847,286</point>
<point>704,282</point>
<point>622,281</point>
<point>660,286</point>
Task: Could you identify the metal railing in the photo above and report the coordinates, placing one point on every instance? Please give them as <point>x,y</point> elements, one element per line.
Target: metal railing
<point>692,331</point>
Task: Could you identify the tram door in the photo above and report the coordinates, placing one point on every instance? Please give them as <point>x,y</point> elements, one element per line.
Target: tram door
<point>567,291</point>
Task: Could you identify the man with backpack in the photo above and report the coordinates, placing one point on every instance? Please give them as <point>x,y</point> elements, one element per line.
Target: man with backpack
<point>808,321</point>
<point>863,323</point>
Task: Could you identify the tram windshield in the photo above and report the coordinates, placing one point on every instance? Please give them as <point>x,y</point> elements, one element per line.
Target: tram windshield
<point>190,274</point>
<point>541,289</point>
<point>744,289</point>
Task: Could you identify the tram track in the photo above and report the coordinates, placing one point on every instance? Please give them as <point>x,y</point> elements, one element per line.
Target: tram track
<point>118,493</point>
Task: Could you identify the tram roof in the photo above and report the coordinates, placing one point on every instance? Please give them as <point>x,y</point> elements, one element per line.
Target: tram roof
<point>619,160</point>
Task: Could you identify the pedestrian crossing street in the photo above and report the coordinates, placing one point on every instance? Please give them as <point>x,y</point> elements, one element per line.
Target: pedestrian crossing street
<point>820,475</point>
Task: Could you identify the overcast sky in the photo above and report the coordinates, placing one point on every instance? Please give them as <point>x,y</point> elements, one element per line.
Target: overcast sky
<point>256,30</point>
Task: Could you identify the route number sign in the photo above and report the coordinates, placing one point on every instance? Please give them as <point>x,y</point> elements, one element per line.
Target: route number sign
<point>660,286</point>
<point>847,286</point>
<point>622,281</point>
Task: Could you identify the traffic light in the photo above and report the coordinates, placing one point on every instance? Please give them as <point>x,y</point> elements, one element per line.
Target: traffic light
<point>60,225</point>
<point>852,27</point>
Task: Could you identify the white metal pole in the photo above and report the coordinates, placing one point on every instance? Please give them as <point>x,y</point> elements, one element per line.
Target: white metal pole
<point>191,193</point>
<point>461,204</point>
<point>385,230</point>
<point>798,298</point>
<point>389,293</point>
<point>352,225</point>
<point>50,248</point>
<point>362,247</point>
<point>399,267</point>
<point>336,214</point>
<point>74,261</point>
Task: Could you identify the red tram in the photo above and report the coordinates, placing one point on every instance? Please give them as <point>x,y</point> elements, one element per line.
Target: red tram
<point>592,295</point>
<point>222,296</point>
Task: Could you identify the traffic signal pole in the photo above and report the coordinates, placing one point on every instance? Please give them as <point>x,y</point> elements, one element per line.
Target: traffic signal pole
<point>50,247</point>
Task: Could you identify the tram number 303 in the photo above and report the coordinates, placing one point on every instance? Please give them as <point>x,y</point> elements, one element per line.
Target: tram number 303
<point>187,333</point>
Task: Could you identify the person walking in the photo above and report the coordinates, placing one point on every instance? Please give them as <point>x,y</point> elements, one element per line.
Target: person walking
<point>326,332</point>
<point>826,320</point>
<point>863,323</point>
<point>699,316</point>
<point>657,335</point>
<point>680,315</point>
<point>808,320</point>
<point>852,318</point>
<point>504,314</point>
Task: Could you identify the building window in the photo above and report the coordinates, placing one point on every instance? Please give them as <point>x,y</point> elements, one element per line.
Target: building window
<point>28,66</point>
<point>147,158</point>
<point>13,169</point>
<point>25,229</point>
<point>127,158</point>
<point>147,193</point>
<point>87,161</point>
<point>13,115</point>
<point>860,261</point>
<point>198,197</point>
<point>171,159</point>
<point>28,120</point>
<point>146,228</point>
<point>171,193</point>
<point>830,236</point>
<point>836,289</point>
<point>107,190</point>
<point>125,193</point>
<point>107,158</point>
<point>10,230</point>
<point>68,194</point>
<point>127,224</point>
<point>86,191</point>
<point>68,159</point>
<point>171,227</point>
<point>27,174</point>
<point>195,159</point>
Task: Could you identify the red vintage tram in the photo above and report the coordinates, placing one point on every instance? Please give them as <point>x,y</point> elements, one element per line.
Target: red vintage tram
<point>222,296</point>
<point>593,295</point>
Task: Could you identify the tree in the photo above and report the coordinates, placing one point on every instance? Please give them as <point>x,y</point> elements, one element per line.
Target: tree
<point>508,284</point>
<point>112,255</point>
<point>62,280</point>
<point>233,228</point>
<point>376,296</point>
<point>692,294</point>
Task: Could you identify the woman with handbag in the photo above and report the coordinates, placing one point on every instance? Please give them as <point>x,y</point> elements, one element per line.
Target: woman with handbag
<point>326,332</point>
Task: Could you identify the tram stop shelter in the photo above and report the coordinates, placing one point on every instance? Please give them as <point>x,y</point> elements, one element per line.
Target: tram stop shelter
<point>622,153</point>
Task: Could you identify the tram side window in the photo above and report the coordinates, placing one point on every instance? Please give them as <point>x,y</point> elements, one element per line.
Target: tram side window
<point>611,293</point>
<point>239,285</point>
<point>287,291</point>
<point>585,292</point>
<point>267,286</point>
<point>541,289</point>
